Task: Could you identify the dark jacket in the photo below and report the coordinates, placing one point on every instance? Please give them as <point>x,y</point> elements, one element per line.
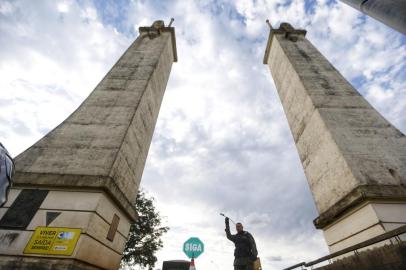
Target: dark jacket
<point>245,246</point>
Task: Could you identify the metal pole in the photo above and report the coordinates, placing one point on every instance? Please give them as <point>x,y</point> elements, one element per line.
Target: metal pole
<point>170,23</point>
<point>221,214</point>
<point>269,24</point>
<point>390,12</point>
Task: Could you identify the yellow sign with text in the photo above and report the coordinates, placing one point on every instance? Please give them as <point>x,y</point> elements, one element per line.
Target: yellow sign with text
<point>53,241</point>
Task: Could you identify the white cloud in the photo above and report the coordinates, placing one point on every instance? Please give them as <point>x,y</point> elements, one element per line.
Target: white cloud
<point>63,7</point>
<point>50,64</point>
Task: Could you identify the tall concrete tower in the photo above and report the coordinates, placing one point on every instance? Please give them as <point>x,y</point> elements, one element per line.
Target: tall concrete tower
<point>74,193</point>
<point>353,158</point>
<point>390,12</point>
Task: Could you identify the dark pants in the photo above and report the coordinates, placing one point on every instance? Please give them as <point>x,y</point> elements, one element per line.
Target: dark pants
<point>244,267</point>
<point>243,264</point>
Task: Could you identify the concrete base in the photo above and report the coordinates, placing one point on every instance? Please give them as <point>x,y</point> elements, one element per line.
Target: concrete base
<point>17,262</point>
<point>93,212</point>
<point>365,222</point>
<point>388,257</point>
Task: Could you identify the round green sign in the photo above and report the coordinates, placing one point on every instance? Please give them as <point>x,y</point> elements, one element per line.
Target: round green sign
<point>193,247</point>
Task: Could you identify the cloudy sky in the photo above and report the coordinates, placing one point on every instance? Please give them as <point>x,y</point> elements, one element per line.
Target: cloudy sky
<point>222,143</point>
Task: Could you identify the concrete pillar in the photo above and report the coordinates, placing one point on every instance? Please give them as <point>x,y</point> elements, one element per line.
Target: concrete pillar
<point>78,184</point>
<point>390,12</point>
<point>353,158</point>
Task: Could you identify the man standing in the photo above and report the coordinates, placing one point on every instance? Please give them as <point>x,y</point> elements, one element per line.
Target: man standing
<point>6,174</point>
<point>245,251</point>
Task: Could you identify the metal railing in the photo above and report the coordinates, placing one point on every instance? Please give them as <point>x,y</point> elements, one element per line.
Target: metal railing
<point>388,235</point>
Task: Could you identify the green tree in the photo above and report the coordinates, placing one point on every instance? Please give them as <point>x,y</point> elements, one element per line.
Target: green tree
<point>145,235</point>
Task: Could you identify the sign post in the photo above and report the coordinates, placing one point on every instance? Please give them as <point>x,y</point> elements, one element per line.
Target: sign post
<point>193,247</point>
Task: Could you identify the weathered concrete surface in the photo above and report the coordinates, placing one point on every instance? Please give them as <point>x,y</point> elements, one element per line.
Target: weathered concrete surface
<point>32,263</point>
<point>349,152</point>
<point>104,143</point>
<point>364,222</point>
<point>92,212</point>
<point>88,169</point>
<point>389,257</point>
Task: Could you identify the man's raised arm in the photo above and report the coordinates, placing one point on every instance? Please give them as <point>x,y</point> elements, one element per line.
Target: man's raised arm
<point>228,233</point>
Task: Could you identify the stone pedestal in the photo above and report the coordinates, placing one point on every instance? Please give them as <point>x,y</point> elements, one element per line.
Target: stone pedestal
<point>364,222</point>
<point>84,175</point>
<point>92,212</point>
<point>353,158</point>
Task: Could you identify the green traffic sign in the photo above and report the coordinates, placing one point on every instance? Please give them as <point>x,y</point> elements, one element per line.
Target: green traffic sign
<point>193,247</point>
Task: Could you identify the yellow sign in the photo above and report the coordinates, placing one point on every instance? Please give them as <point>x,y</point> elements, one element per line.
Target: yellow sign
<point>52,241</point>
